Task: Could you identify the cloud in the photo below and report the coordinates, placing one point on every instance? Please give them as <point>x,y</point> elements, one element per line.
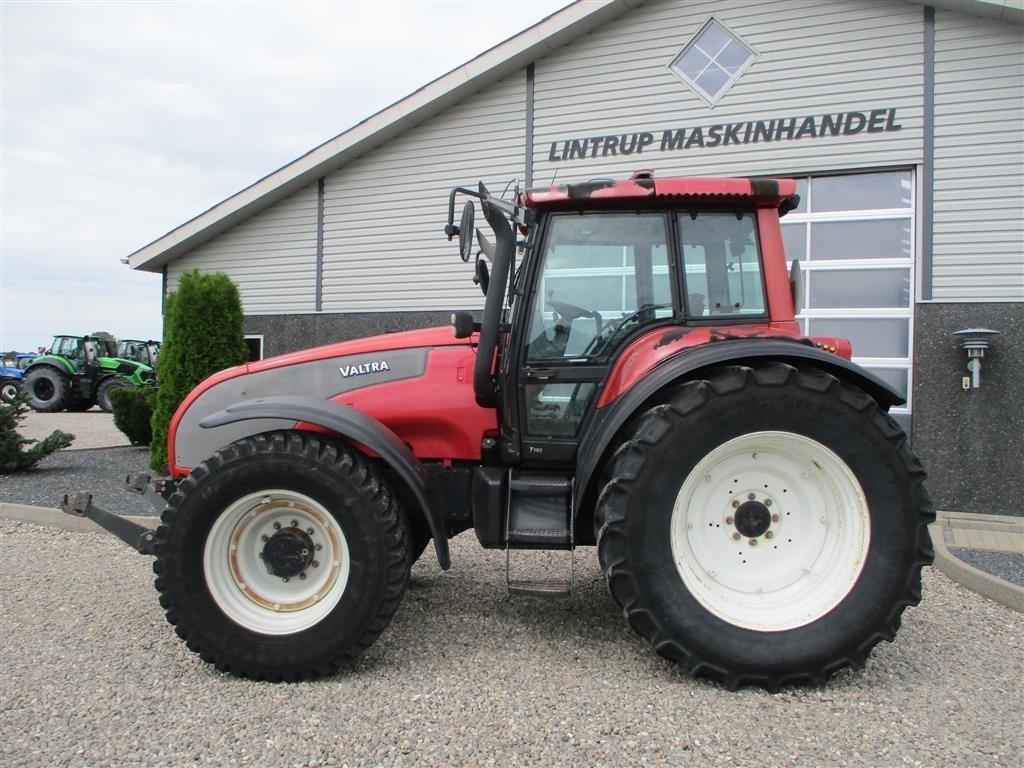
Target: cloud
<point>119,122</point>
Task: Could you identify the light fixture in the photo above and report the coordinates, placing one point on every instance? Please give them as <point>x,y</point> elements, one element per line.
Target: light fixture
<point>975,341</point>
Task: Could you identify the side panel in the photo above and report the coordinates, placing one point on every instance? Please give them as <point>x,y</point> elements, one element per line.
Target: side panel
<point>425,397</point>
<point>979,159</point>
<point>323,379</point>
<point>271,257</point>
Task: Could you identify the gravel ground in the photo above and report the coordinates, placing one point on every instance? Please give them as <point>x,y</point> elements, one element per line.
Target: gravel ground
<point>99,471</point>
<point>1005,565</point>
<point>92,428</point>
<point>91,675</point>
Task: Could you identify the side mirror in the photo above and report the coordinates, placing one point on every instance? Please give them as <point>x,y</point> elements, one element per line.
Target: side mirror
<point>483,274</point>
<point>796,287</point>
<point>466,231</point>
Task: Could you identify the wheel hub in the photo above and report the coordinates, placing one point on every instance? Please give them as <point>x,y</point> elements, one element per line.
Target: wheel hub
<point>753,519</point>
<point>288,552</point>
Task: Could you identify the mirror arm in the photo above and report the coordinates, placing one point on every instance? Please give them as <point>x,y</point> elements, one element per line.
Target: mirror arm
<point>450,229</point>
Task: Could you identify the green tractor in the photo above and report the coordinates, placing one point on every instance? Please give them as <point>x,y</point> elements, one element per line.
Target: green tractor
<point>80,371</point>
<point>145,352</point>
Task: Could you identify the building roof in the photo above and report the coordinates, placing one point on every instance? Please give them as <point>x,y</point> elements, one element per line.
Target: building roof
<point>548,35</point>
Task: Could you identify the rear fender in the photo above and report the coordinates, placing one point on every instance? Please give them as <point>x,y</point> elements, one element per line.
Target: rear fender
<point>609,419</point>
<point>355,426</point>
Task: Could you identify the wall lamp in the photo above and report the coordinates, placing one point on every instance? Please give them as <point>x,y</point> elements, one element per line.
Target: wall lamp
<point>975,341</point>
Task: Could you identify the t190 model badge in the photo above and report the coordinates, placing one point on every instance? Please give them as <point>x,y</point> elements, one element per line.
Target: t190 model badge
<point>363,368</point>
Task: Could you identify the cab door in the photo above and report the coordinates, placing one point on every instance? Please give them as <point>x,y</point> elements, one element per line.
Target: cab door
<point>599,279</point>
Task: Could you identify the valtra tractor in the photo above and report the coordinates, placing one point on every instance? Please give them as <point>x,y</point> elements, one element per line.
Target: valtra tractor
<point>636,382</point>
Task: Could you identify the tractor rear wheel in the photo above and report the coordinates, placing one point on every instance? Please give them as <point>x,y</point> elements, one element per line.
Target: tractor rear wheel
<point>764,526</point>
<point>48,389</point>
<point>281,557</point>
<point>107,386</point>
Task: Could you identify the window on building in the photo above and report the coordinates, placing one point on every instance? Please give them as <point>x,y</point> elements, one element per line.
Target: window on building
<point>854,237</point>
<point>712,60</point>
<point>254,343</point>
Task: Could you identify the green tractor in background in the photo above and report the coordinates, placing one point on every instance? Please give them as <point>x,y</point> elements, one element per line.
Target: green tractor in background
<point>80,371</point>
<point>145,352</point>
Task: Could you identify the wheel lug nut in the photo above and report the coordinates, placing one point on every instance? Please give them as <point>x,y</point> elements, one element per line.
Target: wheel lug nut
<point>264,538</point>
<point>261,555</point>
<point>728,520</point>
<point>318,547</point>
<point>767,502</point>
<point>769,535</point>
<point>277,526</point>
<point>302,576</point>
<point>309,531</point>
<point>751,496</point>
<point>752,542</point>
<point>735,503</point>
<point>736,537</point>
<point>295,523</point>
<point>315,563</point>
<point>284,578</point>
<point>775,518</point>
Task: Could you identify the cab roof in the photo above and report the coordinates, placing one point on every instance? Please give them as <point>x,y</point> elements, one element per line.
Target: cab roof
<point>776,193</point>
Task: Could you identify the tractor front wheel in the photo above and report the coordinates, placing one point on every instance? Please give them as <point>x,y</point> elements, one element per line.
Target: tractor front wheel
<point>107,386</point>
<point>766,525</point>
<point>47,389</point>
<point>281,557</point>
<point>9,389</point>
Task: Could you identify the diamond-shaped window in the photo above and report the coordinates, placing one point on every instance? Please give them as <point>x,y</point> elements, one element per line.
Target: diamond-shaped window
<point>712,60</point>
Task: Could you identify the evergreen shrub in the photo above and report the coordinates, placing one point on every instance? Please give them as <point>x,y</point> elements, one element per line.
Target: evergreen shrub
<point>203,333</point>
<point>133,411</point>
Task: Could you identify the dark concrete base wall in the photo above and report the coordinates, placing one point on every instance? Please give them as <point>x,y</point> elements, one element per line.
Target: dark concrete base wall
<point>288,333</point>
<point>971,442</point>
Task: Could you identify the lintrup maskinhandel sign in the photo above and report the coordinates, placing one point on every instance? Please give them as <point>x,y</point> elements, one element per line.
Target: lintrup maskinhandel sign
<point>724,134</point>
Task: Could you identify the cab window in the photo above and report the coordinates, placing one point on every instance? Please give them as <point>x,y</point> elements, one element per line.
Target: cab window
<point>602,277</point>
<point>722,264</point>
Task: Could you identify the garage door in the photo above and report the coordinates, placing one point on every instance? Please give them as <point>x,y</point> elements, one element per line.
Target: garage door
<point>854,237</point>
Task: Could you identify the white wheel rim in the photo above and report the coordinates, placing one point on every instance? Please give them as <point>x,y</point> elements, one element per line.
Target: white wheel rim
<point>803,564</point>
<point>240,582</point>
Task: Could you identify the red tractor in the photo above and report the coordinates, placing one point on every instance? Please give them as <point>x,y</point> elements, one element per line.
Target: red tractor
<point>636,381</point>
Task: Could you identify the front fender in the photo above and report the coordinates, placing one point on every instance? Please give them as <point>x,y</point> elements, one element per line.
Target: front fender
<point>356,426</point>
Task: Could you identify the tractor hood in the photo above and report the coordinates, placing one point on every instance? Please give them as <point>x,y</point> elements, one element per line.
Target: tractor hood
<point>327,372</point>
<point>424,337</point>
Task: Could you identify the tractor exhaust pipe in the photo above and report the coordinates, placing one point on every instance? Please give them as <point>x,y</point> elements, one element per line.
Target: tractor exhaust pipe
<point>483,381</point>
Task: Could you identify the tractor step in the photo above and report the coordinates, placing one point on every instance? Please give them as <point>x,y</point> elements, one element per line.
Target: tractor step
<point>539,511</point>
<point>540,517</point>
<point>538,577</point>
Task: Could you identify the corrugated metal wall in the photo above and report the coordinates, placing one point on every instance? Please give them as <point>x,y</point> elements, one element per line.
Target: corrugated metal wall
<point>979,159</point>
<point>384,248</point>
<point>271,257</point>
<point>815,57</point>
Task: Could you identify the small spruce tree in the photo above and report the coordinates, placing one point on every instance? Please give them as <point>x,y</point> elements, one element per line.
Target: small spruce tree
<point>14,452</point>
<point>203,333</point>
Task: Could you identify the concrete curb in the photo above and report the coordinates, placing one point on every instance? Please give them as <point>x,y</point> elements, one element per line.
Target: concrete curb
<point>54,518</point>
<point>974,579</point>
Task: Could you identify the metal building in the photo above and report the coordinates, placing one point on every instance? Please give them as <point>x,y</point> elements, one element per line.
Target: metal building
<point>902,120</point>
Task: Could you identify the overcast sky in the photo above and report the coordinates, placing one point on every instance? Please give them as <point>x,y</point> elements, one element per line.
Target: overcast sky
<point>120,121</point>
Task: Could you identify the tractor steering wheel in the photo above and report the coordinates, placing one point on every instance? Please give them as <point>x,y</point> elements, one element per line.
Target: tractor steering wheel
<point>566,313</point>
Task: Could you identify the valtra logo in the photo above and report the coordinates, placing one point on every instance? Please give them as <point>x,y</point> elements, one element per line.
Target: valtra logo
<point>364,368</point>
